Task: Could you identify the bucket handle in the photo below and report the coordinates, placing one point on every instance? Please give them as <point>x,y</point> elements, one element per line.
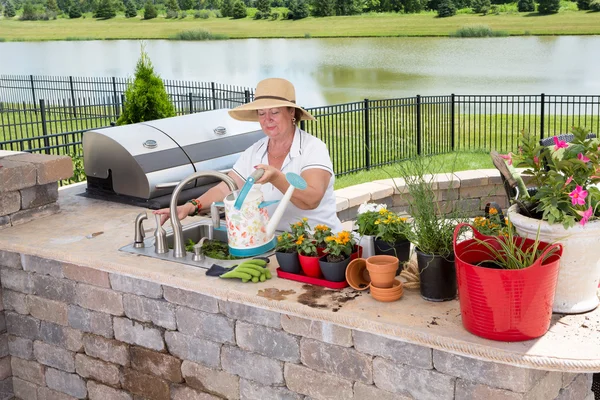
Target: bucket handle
<point>538,261</point>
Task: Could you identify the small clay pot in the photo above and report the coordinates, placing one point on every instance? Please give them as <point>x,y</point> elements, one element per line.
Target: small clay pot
<point>382,270</point>
<point>357,275</point>
<point>388,294</point>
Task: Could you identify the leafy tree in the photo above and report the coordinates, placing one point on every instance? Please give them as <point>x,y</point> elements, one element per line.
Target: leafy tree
<point>264,6</point>
<point>105,10</point>
<point>595,5</point>
<point>172,5</point>
<point>145,98</point>
<point>348,7</point>
<point>548,6</point>
<point>483,6</point>
<point>130,10</point>
<point>213,4</point>
<point>150,11</point>
<point>526,6</point>
<point>298,9</point>
<point>412,6</point>
<point>239,10</point>
<point>186,4</point>
<point>64,5</point>
<point>29,12</point>
<point>75,10</point>
<point>226,8</point>
<point>583,4</point>
<point>322,8</point>
<point>446,9</point>
<point>52,6</point>
<point>9,9</point>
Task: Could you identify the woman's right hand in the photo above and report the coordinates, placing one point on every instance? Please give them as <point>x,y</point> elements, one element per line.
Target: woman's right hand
<point>182,212</point>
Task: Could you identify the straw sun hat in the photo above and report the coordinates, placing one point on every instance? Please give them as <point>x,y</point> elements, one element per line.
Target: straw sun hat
<point>270,93</point>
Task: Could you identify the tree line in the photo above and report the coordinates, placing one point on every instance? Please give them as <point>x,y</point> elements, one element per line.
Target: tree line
<point>296,9</point>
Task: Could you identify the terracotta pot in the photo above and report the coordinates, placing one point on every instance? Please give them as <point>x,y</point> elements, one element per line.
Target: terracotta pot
<point>334,271</point>
<point>288,262</point>
<point>310,265</point>
<point>357,275</point>
<point>399,249</point>
<point>382,270</point>
<point>388,294</point>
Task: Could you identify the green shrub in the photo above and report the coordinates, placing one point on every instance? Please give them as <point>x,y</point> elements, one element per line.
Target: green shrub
<point>446,9</point>
<point>481,6</point>
<point>548,6</point>
<point>526,6</point>
<point>150,11</point>
<point>258,15</point>
<point>298,9</point>
<point>226,8</point>
<point>583,4</point>
<point>595,5</point>
<point>204,14</point>
<point>239,10</point>
<point>29,13</point>
<point>75,10</point>
<point>477,31</point>
<point>9,9</point>
<point>198,34</point>
<point>172,5</point>
<point>145,98</point>
<point>274,16</point>
<point>130,10</point>
<point>264,6</point>
<point>171,14</point>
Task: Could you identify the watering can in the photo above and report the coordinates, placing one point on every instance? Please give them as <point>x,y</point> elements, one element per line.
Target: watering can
<point>250,230</point>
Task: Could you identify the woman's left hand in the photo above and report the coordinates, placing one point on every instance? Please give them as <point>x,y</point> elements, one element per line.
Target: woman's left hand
<point>270,175</point>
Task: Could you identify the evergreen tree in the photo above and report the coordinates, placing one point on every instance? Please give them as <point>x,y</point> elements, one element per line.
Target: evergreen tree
<point>146,98</point>
<point>322,8</point>
<point>186,4</point>
<point>52,6</point>
<point>29,12</point>
<point>105,10</point>
<point>239,10</point>
<point>548,6</point>
<point>64,5</point>
<point>526,6</point>
<point>348,7</point>
<point>172,5</point>
<point>298,9</point>
<point>226,8</point>
<point>75,10</point>
<point>446,8</point>
<point>582,5</point>
<point>150,11</point>
<point>9,9</point>
<point>130,10</point>
<point>264,6</point>
<point>483,6</point>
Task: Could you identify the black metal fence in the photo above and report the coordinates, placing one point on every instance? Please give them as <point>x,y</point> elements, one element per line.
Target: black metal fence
<point>48,114</point>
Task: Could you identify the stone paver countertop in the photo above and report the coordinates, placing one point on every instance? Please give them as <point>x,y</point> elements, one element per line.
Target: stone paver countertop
<point>89,233</point>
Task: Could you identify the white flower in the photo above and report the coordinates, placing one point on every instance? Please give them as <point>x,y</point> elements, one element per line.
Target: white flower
<point>366,207</point>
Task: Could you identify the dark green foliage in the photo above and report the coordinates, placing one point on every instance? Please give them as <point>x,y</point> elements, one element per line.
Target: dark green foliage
<point>258,15</point>
<point>64,5</point>
<point>29,12</point>
<point>226,8</point>
<point>274,16</point>
<point>213,4</point>
<point>462,4</point>
<point>348,7</point>
<point>75,10</point>
<point>483,6</point>
<point>526,5</point>
<point>150,11</point>
<point>595,5</point>
<point>239,10</point>
<point>413,6</point>
<point>264,6</point>
<point>548,6</point>
<point>171,5</point>
<point>298,9</point>
<point>186,4</point>
<point>105,10</point>
<point>583,4</point>
<point>130,10</point>
<point>446,8</point>
<point>146,98</point>
<point>322,8</point>
<point>9,9</point>
<point>52,6</point>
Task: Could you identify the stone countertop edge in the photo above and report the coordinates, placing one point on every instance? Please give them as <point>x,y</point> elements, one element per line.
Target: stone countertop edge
<point>101,252</point>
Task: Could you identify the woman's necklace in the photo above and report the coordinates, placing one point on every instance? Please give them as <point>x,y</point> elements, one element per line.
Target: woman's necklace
<point>279,156</point>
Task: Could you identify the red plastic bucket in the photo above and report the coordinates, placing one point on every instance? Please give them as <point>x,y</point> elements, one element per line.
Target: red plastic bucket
<point>503,304</point>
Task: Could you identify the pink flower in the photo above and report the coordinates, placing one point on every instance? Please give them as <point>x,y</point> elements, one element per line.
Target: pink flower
<point>585,215</point>
<point>569,180</point>
<point>578,196</point>
<point>536,160</point>
<point>583,158</point>
<point>559,144</point>
<point>507,157</point>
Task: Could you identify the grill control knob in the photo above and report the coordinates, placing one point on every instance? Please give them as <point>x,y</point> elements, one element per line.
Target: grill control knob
<point>150,144</point>
<point>220,130</point>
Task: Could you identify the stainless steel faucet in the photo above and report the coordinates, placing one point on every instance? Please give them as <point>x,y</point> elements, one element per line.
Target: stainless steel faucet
<point>178,244</point>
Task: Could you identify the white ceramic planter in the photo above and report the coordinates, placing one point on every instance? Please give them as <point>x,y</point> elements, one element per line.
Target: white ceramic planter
<point>579,273</point>
<point>368,246</point>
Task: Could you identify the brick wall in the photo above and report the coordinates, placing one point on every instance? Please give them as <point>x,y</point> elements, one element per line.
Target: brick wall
<point>28,185</point>
<point>78,333</point>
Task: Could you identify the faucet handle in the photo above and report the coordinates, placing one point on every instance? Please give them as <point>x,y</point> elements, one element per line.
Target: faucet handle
<point>139,235</point>
<point>198,254</point>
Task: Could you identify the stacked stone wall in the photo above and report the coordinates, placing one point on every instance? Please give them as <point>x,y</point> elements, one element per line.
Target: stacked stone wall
<point>74,332</point>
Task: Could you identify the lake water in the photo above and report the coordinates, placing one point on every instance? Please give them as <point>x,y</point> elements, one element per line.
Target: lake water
<point>331,71</point>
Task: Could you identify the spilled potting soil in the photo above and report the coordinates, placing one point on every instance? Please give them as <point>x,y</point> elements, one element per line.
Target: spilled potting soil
<point>320,297</point>
<point>275,294</point>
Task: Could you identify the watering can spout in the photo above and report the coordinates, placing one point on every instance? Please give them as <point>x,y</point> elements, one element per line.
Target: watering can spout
<point>296,182</point>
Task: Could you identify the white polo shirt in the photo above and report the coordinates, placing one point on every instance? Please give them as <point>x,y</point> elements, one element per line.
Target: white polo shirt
<point>305,153</point>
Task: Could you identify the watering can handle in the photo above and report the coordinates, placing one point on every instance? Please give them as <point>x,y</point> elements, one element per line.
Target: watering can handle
<point>256,175</point>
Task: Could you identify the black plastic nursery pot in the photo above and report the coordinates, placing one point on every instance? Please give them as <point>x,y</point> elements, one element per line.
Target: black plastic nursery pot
<point>334,271</point>
<point>400,250</point>
<point>438,277</point>
<point>288,262</point>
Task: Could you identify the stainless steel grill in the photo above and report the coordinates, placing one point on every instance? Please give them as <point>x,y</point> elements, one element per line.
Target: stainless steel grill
<point>141,163</point>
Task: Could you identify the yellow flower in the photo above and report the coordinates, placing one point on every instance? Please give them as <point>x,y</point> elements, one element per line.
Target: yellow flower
<point>279,238</point>
<point>383,211</point>
<point>300,240</point>
<point>329,238</point>
<point>321,228</point>
<point>377,222</point>
<point>493,211</point>
<point>305,219</point>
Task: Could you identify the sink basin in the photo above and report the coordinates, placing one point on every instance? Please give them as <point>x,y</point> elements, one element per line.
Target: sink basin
<point>194,231</point>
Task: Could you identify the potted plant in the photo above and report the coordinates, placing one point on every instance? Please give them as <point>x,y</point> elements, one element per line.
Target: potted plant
<point>338,249</point>
<point>286,253</point>
<point>565,208</point>
<point>506,284</point>
<point>391,236</point>
<point>431,231</point>
<point>320,233</point>
<point>366,216</point>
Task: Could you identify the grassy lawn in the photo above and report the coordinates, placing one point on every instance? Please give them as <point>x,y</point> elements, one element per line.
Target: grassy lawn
<point>566,22</point>
<point>458,161</point>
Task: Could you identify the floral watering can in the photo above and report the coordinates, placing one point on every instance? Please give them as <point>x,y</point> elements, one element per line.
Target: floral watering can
<point>250,230</point>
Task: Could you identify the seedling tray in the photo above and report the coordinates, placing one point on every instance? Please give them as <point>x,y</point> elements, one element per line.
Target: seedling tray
<point>301,277</point>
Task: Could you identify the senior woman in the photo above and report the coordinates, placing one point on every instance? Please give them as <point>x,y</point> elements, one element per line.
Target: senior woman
<point>286,148</point>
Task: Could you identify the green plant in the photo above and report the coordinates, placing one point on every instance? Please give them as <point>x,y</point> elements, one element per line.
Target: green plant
<point>300,228</point>
<point>595,5</point>
<point>286,243</point>
<point>493,225</point>
<point>446,8</point>
<point>366,216</point>
<point>9,9</point>
<point>146,98</point>
<point>306,246</point>
<point>78,170</point>
<point>130,10</point>
<point>339,247</point>
<point>239,10</point>
<point>548,6</point>
<point>391,228</point>
<point>75,10</point>
<point>105,10</point>
<point>198,34</point>
<point>565,175</point>
<point>150,11</point>
<point>321,232</point>
<point>481,6</point>
<point>526,5</point>
<point>478,31</point>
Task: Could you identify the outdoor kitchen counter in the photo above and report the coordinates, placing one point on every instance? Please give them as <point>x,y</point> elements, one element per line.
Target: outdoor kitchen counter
<point>89,232</point>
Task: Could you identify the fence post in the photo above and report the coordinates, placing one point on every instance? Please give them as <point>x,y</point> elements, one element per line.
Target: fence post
<point>419,150</point>
<point>32,90</point>
<point>74,109</point>
<point>246,96</point>
<point>542,112</point>
<point>122,103</point>
<point>214,99</point>
<point>115,107</point>
<point>452,127</point>
<point>191,99</point>
<point>44,127</point>
<point>367,137</point>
